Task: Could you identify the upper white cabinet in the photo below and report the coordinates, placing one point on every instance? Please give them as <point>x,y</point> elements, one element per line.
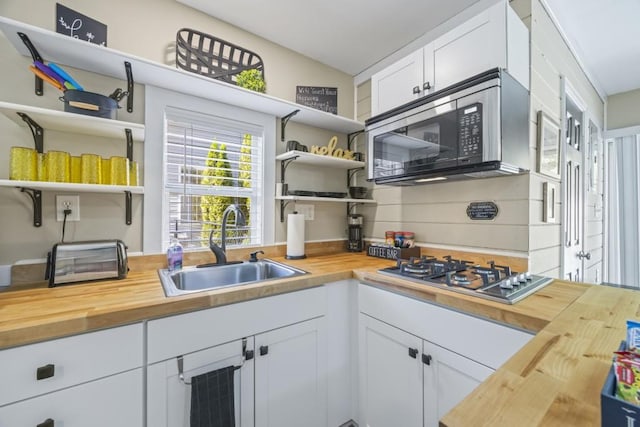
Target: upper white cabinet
<point>494,38</point>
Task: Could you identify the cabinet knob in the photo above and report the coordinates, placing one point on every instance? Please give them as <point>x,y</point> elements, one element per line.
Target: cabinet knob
<point>46,423</point>
<point>413,352</point>
<point>416,90</point>
<point>426,86</point>
<point>426,359</point>
<point>264,349</point>
<point>46,371</point>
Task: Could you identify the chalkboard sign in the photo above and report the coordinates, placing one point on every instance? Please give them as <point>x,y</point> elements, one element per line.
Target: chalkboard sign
<point>320,98</point>
<point>482,210</point>
<point>76,25</point>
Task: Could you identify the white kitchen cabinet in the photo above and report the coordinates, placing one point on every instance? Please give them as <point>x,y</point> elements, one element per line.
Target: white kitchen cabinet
<point>112,401</point>
<point>169,396</point>
<point>399,83</point>
<point>284,382</point>
<point>448,378</point>
<point>290,376</point>
<point>408,381</point>
<point>89,379</point>
<point>454,353</point>
<point>494,38</point>
<point>390,378</point>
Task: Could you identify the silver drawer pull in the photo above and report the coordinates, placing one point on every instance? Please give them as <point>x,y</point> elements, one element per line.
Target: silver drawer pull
<point>46,371</point>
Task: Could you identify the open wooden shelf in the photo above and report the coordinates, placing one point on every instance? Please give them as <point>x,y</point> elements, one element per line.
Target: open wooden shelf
<point>67,186</point>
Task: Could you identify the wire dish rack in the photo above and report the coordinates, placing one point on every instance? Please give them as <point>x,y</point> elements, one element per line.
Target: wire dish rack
<point>212,57</point>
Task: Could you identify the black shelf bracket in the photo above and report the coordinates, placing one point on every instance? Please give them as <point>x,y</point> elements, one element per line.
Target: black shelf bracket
<point>284,164</point>
<point>351,173</point>
<point>129,137</point>
<point>127,201</point>
<point>283,205</point>
<point>36,131</point>
<point>351,137</point>
<point>36,57</point>
<point>127,69</point>
<point>36,198</point>
<point>283,123</point>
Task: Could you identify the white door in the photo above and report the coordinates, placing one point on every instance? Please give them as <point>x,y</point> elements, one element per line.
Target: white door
<point>169,396</point>
<point>573,182</point>
<point>448,379</point>
<point>290,376</point>
<point>390,376</point>
<point>397,84</point>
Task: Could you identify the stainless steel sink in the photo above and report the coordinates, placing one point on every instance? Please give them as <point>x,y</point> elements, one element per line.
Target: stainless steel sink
<point>193,279</point>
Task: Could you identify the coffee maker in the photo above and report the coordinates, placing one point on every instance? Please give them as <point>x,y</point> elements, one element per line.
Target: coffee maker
<point>355,243</point>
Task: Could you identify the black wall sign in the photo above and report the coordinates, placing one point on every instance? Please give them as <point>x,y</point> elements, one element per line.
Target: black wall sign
<point>76,25</point>
<point>482,210</point>
<point>320,98</point>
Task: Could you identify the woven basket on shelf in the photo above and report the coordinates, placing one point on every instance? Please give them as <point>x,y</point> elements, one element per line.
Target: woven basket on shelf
<point>210,56</point>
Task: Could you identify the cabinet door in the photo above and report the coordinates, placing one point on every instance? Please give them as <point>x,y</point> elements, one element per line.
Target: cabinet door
<point>290,376</point>
<point>169,398</point>
<point>397,84</point>
<point>471,48</point>
<point>448,378</point>
<point>390,376</point>
<point>111,401</point>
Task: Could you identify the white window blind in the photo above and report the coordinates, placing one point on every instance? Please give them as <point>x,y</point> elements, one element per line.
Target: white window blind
<point>211,163</point>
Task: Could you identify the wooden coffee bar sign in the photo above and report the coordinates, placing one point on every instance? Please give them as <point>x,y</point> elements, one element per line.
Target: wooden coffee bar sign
<point>482,210</point>
<point>331,150</point>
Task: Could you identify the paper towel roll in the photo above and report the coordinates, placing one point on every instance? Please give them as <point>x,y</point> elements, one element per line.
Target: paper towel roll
<point>295,236</point>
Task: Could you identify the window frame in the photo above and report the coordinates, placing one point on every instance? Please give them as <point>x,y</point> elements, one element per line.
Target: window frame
<point>158,101</point>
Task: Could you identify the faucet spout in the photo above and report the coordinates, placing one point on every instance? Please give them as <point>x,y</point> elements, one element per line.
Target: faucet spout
<point>220,252</point>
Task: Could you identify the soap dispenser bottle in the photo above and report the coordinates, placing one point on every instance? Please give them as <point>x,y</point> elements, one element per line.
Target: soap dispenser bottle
<point>174,252</point>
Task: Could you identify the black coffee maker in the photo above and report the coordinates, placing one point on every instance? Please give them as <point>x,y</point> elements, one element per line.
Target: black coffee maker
<point>355,243</point>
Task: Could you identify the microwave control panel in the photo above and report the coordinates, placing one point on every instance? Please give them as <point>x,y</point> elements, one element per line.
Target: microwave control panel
<point>470,130</point>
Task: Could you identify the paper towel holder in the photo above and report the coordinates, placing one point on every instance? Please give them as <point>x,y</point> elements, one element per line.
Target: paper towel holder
<point>293,257</point>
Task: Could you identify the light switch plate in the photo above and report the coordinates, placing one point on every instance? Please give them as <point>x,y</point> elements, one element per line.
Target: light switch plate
<point>307,210</point>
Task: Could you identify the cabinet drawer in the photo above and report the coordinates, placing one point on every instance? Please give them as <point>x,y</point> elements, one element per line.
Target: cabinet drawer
<point>68,361</point>
<point>111,401</point>
<point>186,333</point>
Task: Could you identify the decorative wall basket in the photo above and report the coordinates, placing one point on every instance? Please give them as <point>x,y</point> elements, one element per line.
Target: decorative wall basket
<point>212,57</point>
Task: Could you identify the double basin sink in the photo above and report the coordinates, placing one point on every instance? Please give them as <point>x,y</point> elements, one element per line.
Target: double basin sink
<point>195,279</point>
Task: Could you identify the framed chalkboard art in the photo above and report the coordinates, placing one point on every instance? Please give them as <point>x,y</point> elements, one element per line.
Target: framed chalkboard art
<point>79,26</point>
<point>320,98</point>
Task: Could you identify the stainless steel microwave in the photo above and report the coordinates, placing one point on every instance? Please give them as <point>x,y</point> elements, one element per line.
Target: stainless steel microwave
<point>476,128</point>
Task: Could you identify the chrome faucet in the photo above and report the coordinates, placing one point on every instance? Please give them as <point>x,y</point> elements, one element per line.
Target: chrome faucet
<point>219,252</point>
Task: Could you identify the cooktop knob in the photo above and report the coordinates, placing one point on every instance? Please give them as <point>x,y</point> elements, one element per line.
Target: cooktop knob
<point>527,275</point>
<point>506,284</point>
<point>515,281</point>
<point>522,278</point>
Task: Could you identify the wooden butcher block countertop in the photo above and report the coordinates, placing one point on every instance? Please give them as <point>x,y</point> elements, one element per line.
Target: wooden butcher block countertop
<point>553,380</point>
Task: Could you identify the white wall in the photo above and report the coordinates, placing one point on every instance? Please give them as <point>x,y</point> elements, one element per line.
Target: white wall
<point>144,28</point>
<point>623,110</point>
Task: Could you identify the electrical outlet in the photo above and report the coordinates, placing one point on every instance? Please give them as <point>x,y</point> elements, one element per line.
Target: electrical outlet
<point>307,210</point>
<point>67,202</point>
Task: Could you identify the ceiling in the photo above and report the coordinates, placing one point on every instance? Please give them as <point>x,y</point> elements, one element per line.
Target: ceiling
<point>353,35</point>
<point>606,39</point>
<point>349,35</point>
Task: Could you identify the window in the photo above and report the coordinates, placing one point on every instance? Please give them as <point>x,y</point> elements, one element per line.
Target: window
<point>210,163</point>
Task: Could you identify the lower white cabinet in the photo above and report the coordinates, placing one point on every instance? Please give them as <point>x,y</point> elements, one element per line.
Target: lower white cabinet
<point>112,401</point>
<point>282,375</point>
<point>290,376</point>
<point>418,360</point>
<point>407,381</point>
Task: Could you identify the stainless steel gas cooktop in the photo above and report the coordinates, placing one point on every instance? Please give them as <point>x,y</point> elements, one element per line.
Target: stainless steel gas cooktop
<point>493,282</point>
